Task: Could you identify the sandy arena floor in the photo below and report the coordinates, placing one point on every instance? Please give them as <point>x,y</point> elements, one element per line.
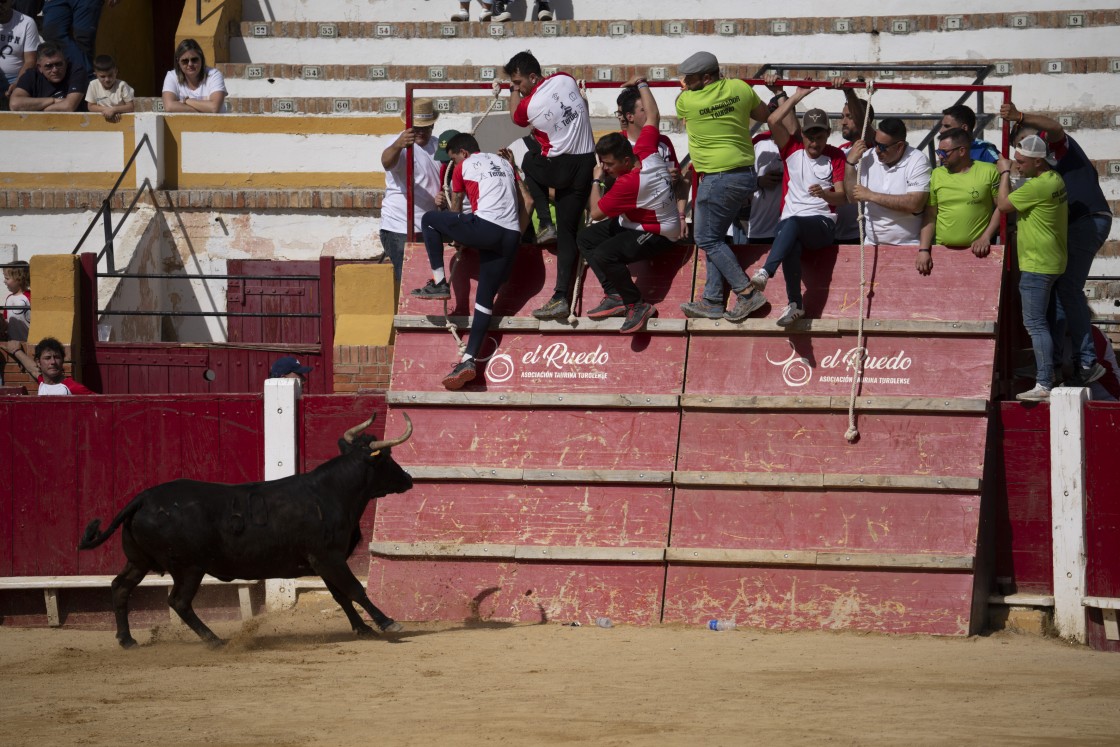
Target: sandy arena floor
<point>300,678</point>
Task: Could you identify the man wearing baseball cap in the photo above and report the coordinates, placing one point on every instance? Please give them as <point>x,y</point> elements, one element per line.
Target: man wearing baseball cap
<point>288,367</point>
<point>718,113</point>
<point>813,186</point>
<point>1042,207</point>
<point>1090,220</point>
<point>425,175</point>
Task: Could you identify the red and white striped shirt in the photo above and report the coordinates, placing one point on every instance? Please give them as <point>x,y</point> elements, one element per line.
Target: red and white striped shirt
<point>643,199</point>
<point>558,116</point>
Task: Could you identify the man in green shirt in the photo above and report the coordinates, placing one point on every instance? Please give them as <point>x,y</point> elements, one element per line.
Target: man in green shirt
<point>961,207</point>
<point>1041,248</point>
<point>718,113</point>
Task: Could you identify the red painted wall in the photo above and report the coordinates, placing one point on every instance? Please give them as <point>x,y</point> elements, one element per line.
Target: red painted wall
<point>1102,512</point>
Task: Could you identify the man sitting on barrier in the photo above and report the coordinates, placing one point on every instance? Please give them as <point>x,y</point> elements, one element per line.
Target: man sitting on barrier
<point>47,367</point>
<point>813,187</point>
<point>962,193</point>
<point>493,229</point>
<point>554,107</point>
<point>648,220</point>
<point>894,184</point>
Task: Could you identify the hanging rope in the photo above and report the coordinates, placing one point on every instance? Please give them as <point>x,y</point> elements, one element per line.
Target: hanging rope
<point>856,357</point>
<point>447,175</point>
<point>577,290</point>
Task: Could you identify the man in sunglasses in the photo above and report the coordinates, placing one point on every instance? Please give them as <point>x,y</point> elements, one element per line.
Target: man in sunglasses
<point>962,193</point>
<point>892,179</point>
<point>53,86</point>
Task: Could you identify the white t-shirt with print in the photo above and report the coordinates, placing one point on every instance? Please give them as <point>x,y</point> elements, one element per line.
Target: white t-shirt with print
<point>120,93</point>
<point>213,83</point>
<point>18,36</point>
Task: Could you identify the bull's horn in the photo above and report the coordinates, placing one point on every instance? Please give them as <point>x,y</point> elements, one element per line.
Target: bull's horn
<point>349,435</point>
<point>394,441</point>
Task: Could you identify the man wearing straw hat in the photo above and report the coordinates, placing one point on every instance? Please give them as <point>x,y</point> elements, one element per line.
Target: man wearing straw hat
<point>425,175</point>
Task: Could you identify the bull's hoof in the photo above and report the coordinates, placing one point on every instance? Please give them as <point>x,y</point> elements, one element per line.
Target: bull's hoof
<point>128,642</point>
<point>365,631</point>
<point>215,643</point>
<point>392,627</point>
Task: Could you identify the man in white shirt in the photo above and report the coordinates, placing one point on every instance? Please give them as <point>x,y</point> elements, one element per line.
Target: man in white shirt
<point>893,181</point>
<point>425,175</point>
<point>19,38</point>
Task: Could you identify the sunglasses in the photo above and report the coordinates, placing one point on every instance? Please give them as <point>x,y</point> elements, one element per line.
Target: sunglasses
<point>945,153</point>
<point>53,65</point>
<point>884,148</point>
<point>190,61</point>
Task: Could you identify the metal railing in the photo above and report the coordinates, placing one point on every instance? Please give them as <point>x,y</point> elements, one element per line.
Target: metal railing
<point>227,314</point>
<point>105,213</point>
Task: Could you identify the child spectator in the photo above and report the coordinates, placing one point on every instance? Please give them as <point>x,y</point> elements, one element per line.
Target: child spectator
<point>107,94</point>
<point>17,277</point>
<point>192,86</point>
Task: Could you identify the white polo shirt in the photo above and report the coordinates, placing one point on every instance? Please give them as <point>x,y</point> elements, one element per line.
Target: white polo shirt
<point>425,172</point>
<point>909,174</point>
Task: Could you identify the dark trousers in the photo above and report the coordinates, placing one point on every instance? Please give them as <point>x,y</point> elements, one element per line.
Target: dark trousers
<point>570,176</point>
<point>609,249</point>
<point>791,237</point>
<point>73,23</point>
<point>496,247</point>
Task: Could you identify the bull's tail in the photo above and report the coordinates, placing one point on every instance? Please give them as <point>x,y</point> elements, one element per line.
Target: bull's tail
<point>93,535</point>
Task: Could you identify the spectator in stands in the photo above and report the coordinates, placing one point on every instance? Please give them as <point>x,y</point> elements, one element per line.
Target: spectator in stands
<point>73,24</point>
<point>192,86</point>
<point>852,118</point>
<point>19,38</point>
<point>107,94</point>
<point>633,116</point>
<point>554,107</point>
<point>425,178</point>
<point>962,194</point>
<point>53,86</point>
<point>47,367</point>
<point>497,11</point>
<point>892,179</point>
<point>1090,220</point>
<point>289,367</point>
<point>1043,213</point>
<point>637,218</point>
<point>963,118</point>
<point>718,112</point>
<point>813,187</point>
<point>17,306</point>
<point>493,228</point>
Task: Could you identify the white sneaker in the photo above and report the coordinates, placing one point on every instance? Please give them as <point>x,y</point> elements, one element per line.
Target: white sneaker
<point>460,15</point>
<point>1038,394</point>
<point>544,13</point>
<point>486,14</point>
<point>758,280</point>
<point>792,313</point>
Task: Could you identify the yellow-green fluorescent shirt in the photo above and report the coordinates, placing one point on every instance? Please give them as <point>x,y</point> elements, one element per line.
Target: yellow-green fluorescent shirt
<point>718,118</point>
<point>1043,214</point>
<point>964,201</point>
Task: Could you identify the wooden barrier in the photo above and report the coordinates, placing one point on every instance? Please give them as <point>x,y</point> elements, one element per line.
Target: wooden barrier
<point>582,473</point>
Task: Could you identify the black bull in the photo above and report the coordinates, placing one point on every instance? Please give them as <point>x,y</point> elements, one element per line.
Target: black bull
<point>295,526</point>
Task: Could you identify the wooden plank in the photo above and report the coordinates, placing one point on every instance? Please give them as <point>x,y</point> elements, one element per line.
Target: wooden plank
<point>440,550</point>
<point>1103,603</point>
<point>754,326</point>
<point>517,591</point>
<point>894,291</point>
<point>466,473</point>
<point>1022,600</point>
<point>725,556</point>
<point>804,480</point>
<point>916,444</point>
<point>516,362</point>
<point>793,402</point>
<point>539,439</point>
<point>595,476</point>
<point>665,281</point>
<point>895,560</point>
<point>539,514</point>
<point>778,597</point>
<point>826,520</point>
<point>503,399</point>
<point>100,581</point>
<point>522,552</point>
<point>1068,499</point>
<point>435,320</point>
<point>808,366</point>
<point>534,399</point>
<point>806,326</point>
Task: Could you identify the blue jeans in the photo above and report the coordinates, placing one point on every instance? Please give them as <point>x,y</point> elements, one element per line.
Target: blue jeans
<point>73,24</point>
<point>791,236</point>
<point>393,244</point>
<point>719,199</point>
<point>1034,290</point>
<point>1085,237</point>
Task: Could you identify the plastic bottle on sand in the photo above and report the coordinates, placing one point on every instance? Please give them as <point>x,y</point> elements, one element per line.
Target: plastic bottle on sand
<point>604,622</point>
<point>721,625</point>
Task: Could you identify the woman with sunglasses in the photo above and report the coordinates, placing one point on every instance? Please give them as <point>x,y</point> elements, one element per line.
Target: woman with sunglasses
<point>192,86</point>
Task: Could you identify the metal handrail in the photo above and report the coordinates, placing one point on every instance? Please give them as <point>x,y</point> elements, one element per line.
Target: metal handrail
<point>105,211</point>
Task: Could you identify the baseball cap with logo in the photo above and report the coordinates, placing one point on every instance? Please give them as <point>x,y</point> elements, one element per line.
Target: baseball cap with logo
<point>1032,146</point>
<point>444,139</point>
<point>287,365</point>
<point>815,119</point>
